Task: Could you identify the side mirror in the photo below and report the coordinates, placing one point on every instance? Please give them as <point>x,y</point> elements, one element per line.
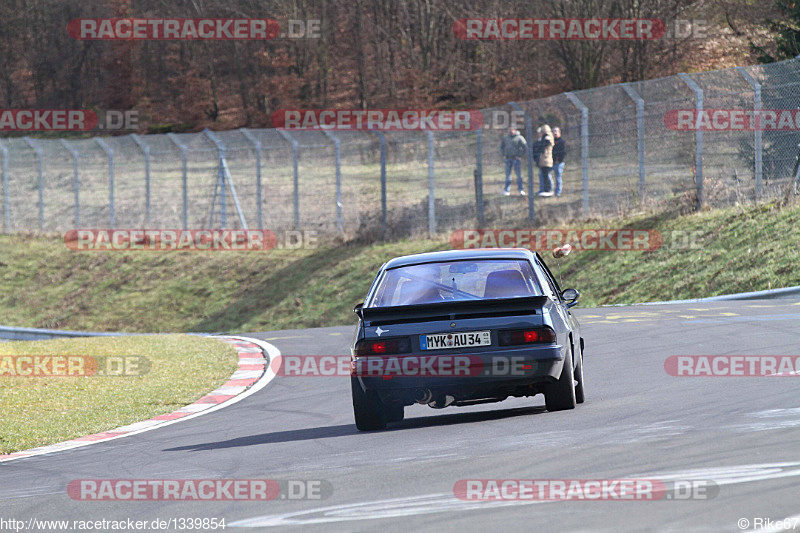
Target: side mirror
<point>571,297</point>
<point>357,308</point>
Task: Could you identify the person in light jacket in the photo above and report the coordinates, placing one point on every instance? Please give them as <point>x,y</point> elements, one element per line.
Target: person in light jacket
<point>546,162</point>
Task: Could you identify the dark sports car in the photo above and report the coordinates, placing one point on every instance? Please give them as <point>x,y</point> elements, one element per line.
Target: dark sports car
<point>464,327</point>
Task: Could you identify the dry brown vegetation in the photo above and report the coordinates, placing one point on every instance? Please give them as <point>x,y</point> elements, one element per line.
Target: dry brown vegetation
<point>378,53</point>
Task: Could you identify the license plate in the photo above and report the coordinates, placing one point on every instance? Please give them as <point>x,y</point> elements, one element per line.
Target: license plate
<point>466,339</point>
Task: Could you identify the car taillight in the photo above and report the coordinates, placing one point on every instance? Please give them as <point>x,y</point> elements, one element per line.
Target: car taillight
<point>382,347</point>
<point>526,336</point>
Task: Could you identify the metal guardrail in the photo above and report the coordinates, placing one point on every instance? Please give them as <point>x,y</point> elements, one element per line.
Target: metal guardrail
<point>787,293</point>
<point>35,334</point>
<point>12,333</point>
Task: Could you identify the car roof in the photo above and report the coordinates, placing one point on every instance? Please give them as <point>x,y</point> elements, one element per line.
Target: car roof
<point>459,255</point>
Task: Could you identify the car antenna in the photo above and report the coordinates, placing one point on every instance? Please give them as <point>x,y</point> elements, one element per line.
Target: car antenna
<point>558,253</point>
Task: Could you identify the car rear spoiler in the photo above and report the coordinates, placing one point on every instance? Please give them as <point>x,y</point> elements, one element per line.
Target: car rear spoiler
<point>375,316</point>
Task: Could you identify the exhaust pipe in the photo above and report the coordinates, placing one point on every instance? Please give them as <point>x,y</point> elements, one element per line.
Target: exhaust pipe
<point>423,396</point>
<point>442,401</point>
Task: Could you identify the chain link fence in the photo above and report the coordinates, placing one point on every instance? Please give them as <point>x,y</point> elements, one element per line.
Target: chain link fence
<point>621,155</point>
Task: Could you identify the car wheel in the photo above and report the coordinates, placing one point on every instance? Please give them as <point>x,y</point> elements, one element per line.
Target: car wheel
<point>579,380</point>
<point>395,412</point>
<point>368,410</point>
<point>560,395</point>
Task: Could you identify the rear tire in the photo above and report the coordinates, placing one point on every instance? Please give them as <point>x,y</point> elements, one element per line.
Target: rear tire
<point>368,410</point>
<point>579,378</point>
<point>560,396</point>
<point>395,412</point>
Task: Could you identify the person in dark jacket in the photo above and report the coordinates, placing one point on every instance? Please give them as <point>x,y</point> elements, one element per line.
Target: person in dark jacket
<point>559,153</point>
<point>512,148</point>
<point>537,147</point>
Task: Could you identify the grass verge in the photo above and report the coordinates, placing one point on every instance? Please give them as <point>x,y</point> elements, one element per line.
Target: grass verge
<point>44,410</point>
<point>737,249</point>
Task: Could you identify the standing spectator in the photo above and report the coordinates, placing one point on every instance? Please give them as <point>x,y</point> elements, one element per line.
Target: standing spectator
<point>512,148</point>
<point>546,162</point>
<point>537,146</point>
<point>559,153</point>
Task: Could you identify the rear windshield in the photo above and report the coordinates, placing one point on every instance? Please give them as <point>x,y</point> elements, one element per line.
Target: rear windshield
<point>455,281</point>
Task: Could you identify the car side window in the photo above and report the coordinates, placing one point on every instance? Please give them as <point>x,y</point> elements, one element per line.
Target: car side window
<point>547,282</point>
<point>384,291</point>
<point>550,275</point>
<point>533,282</point>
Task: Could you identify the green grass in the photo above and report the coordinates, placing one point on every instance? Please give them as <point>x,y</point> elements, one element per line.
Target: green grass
<point>740,250</point>
<point>44,410</point>
<point>47,285</point>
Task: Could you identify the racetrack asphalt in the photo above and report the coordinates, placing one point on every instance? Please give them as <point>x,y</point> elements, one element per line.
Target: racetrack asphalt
<point>742,433</point>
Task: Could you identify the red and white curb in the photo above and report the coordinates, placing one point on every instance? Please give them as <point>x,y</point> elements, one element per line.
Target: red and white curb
<point>253,375</point>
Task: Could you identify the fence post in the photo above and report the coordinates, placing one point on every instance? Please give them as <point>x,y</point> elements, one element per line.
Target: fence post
<point>110,154</point>
<point>146,151</point>
<point>223,177</point>
<point>257,148</point>
<point>584,148</point>
<point>223,201</point>
<point>40,179</point>
<point>75,182</point>
<point>479,173</point>
<point>295,176</point>
<point>6,192</point>
<point>184,184</point>
<point>431,198</point>
<point>384,214</point>
<point>757,142</point>
<point>698,135</point>
<point>337,149</point>
<point>797,178</point>
<point>529,150</point>
<point>631,92</point>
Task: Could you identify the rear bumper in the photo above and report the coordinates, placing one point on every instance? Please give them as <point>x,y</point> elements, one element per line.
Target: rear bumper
<point>500,373</point>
